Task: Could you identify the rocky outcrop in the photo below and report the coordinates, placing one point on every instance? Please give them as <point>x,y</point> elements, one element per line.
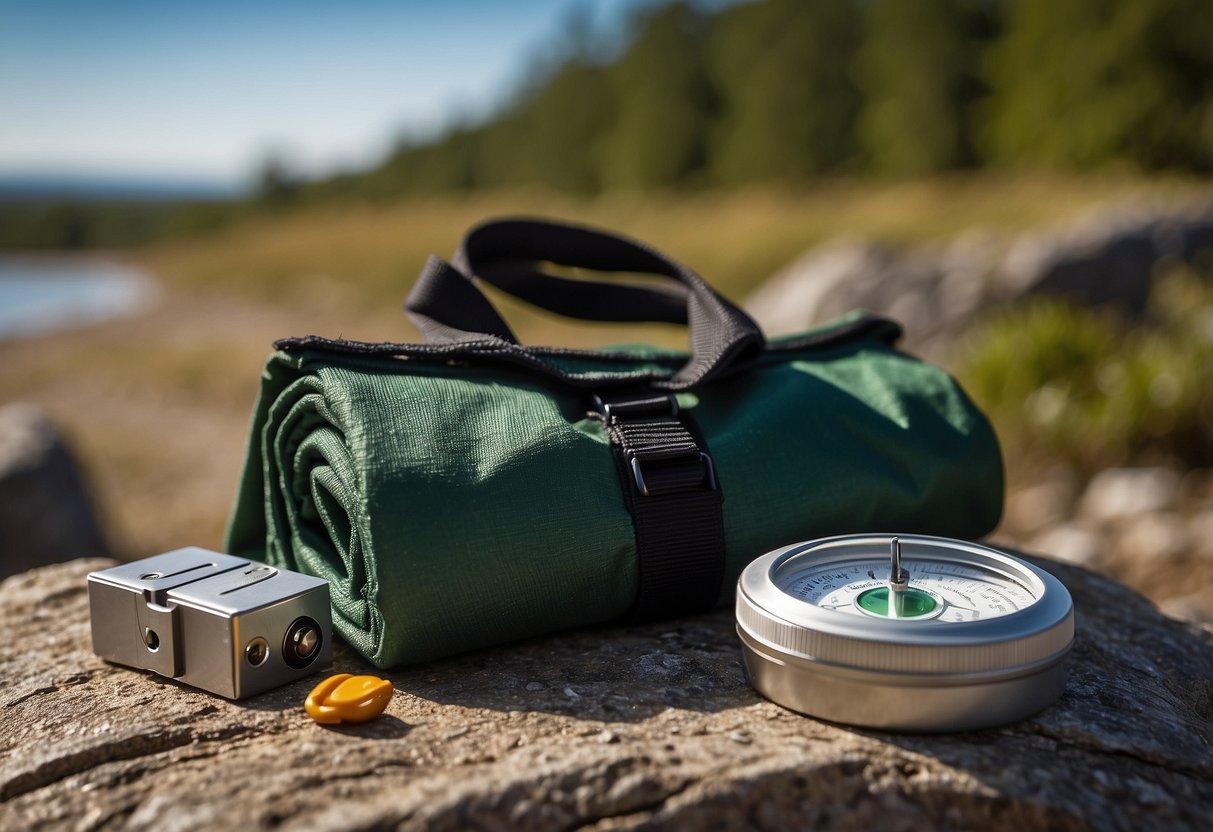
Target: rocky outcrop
<point>617,728</point>
<point>45,513</point>
<point>1149,527</point>
<point>1107,257</point>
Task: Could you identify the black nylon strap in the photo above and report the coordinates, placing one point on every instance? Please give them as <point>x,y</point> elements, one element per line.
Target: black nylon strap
<point>510,254</point>
<point>451,306</point>
<point>670,489</point>
<point>589,300</point>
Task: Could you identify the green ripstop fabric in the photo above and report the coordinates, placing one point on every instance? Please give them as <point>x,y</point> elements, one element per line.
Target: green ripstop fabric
<point>456,503</point>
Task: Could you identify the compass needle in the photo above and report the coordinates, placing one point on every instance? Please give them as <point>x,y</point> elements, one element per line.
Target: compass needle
<point>835,628</point>
<point>899,580</point>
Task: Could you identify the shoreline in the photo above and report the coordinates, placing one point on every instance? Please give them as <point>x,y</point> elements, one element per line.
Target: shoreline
<point>44,293</point>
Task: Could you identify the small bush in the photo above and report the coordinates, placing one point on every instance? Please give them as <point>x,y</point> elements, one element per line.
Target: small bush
<point>1089,389</point>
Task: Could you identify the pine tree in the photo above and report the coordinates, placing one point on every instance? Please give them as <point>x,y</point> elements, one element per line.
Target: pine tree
<point>787,98</point>
<point>918,69</point>
<point>663,103</point>
<point>1085,82</point>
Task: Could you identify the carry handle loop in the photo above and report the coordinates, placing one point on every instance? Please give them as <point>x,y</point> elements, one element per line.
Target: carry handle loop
<point>448,307</point>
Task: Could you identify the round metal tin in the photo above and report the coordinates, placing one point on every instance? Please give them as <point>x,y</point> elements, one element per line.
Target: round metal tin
<point>909,674</point>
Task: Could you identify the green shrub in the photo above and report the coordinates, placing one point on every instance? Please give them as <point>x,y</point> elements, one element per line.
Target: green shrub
<point>1089,389</point>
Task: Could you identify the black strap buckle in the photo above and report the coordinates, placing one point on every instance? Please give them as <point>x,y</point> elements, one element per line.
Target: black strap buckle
<point>654,410</point>
<point>615,407</point>
<point>708,478</point>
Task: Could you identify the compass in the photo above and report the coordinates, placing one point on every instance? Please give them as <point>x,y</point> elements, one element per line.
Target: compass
<point>906,632</point>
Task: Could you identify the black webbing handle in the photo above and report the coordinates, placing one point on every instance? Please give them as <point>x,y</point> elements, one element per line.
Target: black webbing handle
<point>448,307</point>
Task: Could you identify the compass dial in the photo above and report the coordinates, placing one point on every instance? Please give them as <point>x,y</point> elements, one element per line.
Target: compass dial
<point>937,589</point>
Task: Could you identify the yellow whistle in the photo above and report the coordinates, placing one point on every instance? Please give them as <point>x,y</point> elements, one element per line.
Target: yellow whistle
<point>348,698</point>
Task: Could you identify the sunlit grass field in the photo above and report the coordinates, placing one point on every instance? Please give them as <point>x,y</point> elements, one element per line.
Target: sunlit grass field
<point>735,239</point>
<point>157,405</point>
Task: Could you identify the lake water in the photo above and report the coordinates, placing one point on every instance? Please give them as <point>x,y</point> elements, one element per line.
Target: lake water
<point>43,293</point>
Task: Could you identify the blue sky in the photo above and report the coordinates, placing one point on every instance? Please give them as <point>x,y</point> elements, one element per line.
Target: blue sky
<point>208,90</point>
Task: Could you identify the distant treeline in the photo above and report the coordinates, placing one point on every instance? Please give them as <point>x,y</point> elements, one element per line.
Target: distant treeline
<point>782,91</point>
<point>71,224</point>
<point>787,90</point>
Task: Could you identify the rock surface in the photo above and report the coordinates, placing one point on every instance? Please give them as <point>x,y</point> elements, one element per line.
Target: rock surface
<point>45,513</point>
<point>1107,257</point>
<point>615,728</point>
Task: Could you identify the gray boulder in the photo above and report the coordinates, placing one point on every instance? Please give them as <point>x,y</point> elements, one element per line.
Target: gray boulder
<point>1109,256</point>
<point>851,274</point>
<point>45,513</point>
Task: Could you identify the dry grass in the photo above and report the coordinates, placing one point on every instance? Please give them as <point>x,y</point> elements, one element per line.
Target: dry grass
<point>370,253</point>
<point>158,405</point>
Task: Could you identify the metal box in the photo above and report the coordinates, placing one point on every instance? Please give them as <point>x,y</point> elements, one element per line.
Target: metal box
<point>228,625</point>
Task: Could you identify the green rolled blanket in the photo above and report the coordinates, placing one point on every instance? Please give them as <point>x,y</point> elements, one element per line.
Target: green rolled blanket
<point>471,492</point>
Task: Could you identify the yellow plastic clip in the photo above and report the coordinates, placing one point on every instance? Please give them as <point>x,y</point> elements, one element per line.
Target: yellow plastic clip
<point>348,698</point>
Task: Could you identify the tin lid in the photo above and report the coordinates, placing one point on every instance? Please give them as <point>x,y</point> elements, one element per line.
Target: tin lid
<point>800,630</point>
